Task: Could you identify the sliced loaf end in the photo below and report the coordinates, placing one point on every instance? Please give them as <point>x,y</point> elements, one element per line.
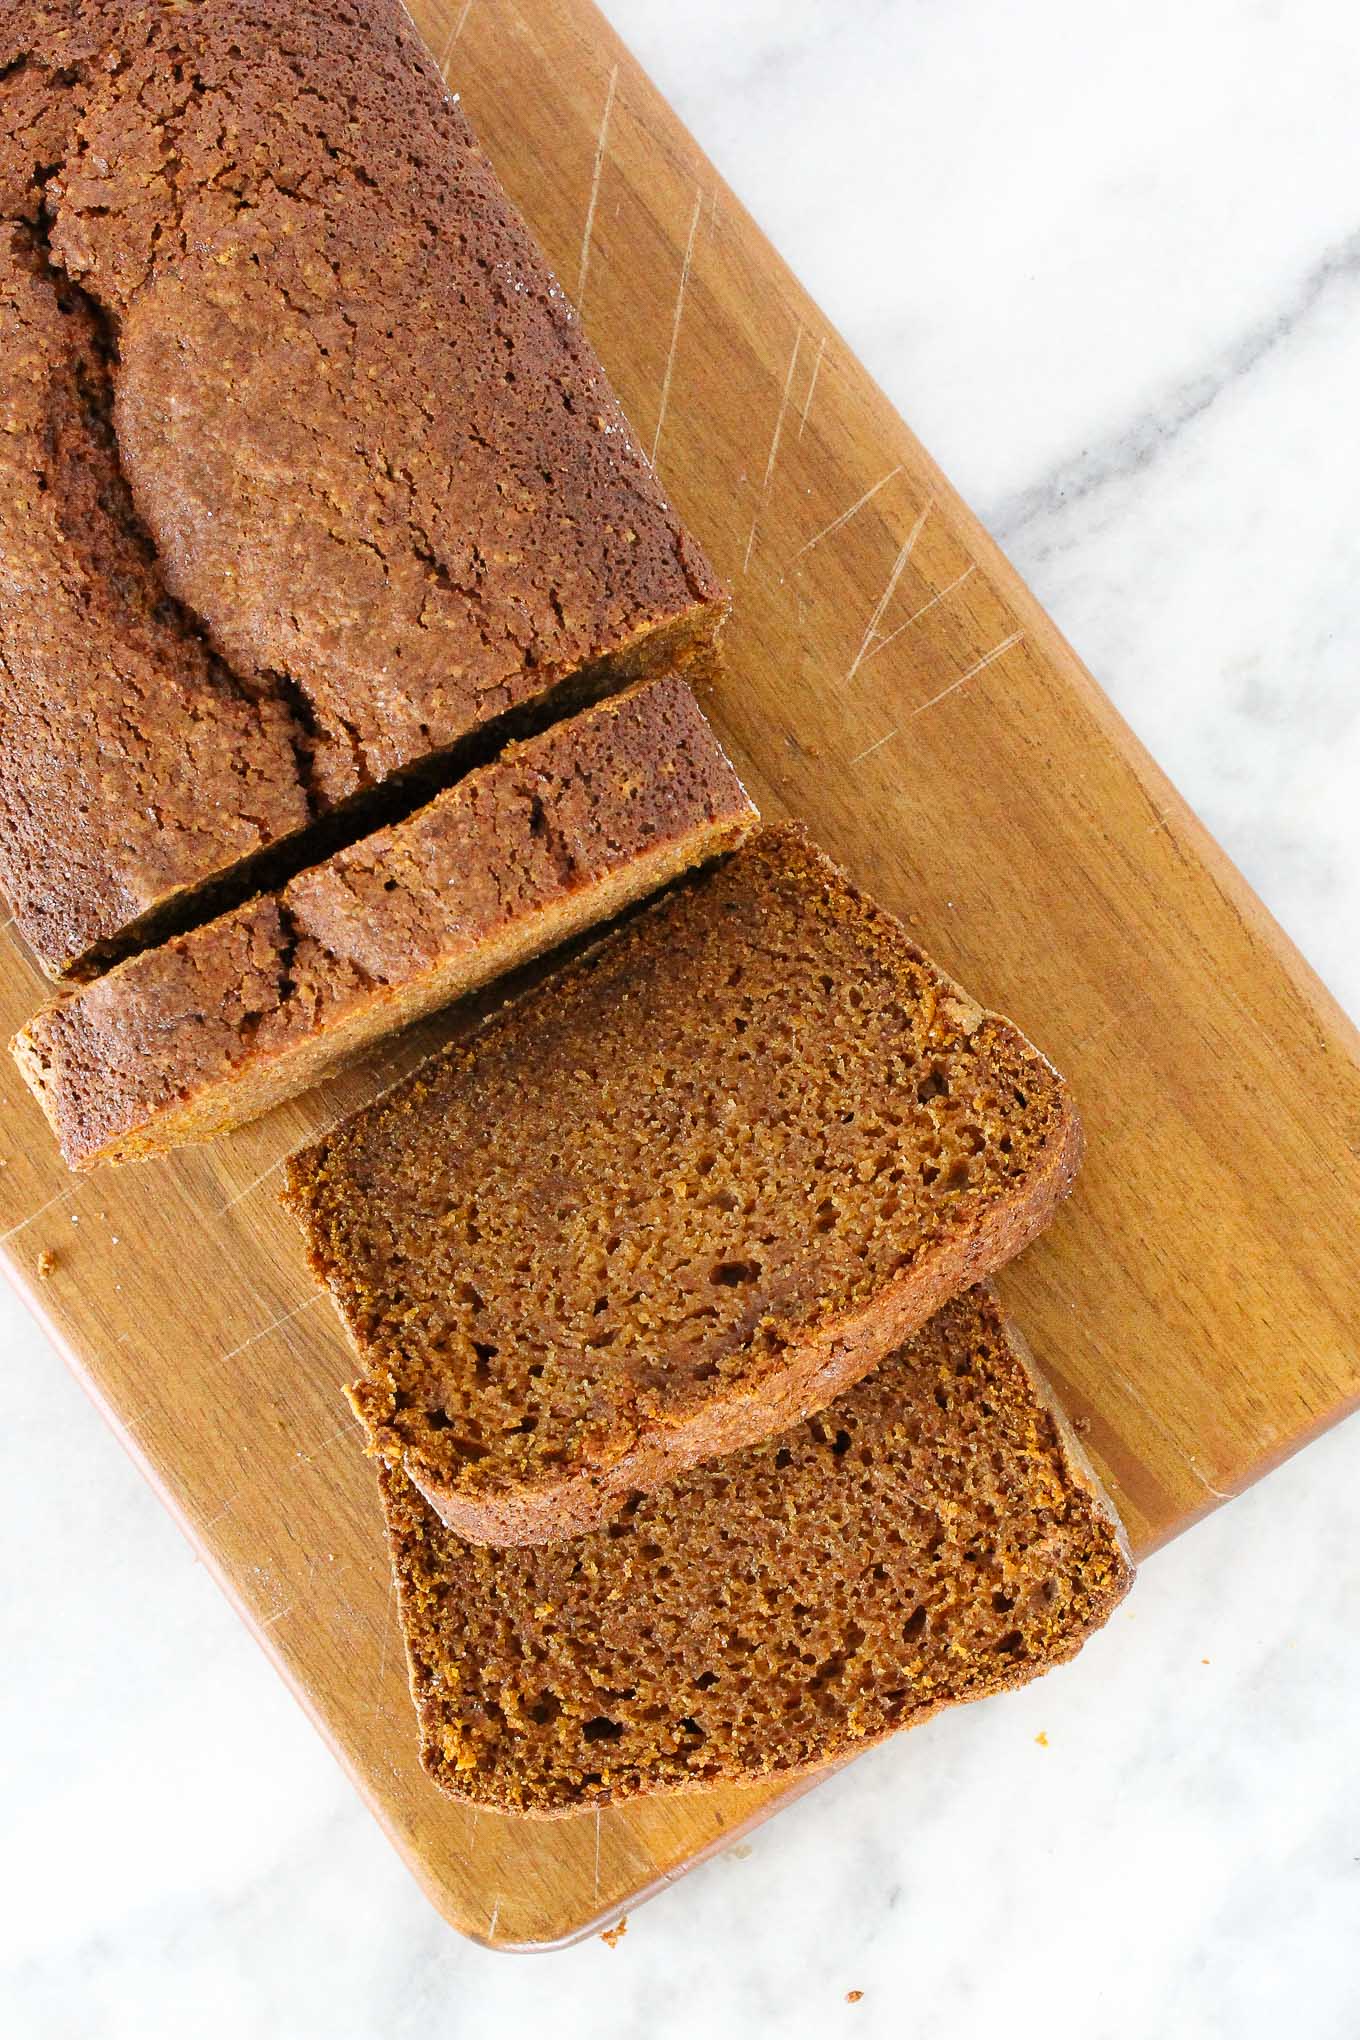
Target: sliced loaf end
<point>214,1027</point>
<point>930,1538</point>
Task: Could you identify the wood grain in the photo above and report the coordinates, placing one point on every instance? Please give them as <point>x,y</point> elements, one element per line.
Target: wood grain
<point>891,680</point>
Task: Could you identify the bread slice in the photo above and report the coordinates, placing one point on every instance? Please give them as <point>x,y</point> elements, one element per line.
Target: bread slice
<point>184,1041</point>
<point>934,1536</point>
<point>679,1196</point>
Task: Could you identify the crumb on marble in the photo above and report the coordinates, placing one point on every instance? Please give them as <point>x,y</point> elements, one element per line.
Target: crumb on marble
<point>613,1935</point>
<point>1042,1739</point>
<point>852,1997</point>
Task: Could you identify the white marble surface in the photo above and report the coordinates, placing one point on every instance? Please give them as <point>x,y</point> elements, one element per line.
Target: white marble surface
<point>1107,260</point>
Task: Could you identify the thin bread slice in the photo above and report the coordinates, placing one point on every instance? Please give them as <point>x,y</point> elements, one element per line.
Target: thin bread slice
<point>216,1026</point>
<point>679,1196</point>
<point>934,1536</point>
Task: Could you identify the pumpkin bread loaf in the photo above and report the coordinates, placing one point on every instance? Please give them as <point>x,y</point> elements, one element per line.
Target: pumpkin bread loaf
<point>933,1536</point>
<point>213,1027</point>
<point>682,1194</point>
<point>371,487</point>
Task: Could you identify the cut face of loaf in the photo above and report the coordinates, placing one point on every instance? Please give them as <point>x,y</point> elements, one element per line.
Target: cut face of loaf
<point>932,1537</point>
<point>212,1028</point>
<point>680,1195</point>
<point>309,474</point>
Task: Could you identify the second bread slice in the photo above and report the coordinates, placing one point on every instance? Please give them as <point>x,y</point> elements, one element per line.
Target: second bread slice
<point>678,1197</point>
<point>216,1026</point>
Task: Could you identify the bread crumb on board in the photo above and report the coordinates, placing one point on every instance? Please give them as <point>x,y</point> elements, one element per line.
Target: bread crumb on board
<point>613,1935</point>
<point>47,1263</point>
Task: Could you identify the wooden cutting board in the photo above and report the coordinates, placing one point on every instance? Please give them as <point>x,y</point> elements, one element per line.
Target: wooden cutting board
<point>891,680</point>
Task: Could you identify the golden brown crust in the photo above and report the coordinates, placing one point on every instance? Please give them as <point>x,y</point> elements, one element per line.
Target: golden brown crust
<point>765,1138</point>
<point>213,1027</point>
<point>930,1538</point>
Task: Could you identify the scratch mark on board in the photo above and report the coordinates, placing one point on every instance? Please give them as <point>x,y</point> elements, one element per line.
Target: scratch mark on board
<point>282,1319</point>
<point>773,454</point>
<point>899,565</point>
<point>454,34</point>
<point>987,659</point>
<point>869,749</point>
<point>924,609</point>
<point>1107,1026</point>
<point>254,1184</point>
<point>60,1198</point>
<point>675,322</point>
<point>1168,1436</point>
<point>812,384</point>
<point>346,1430</point>
<point>601,144</point>
<point>836,524</point>
<point>1220,1494</point>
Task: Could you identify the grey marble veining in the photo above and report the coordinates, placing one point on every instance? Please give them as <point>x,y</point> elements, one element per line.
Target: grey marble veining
<point>1107,261</point>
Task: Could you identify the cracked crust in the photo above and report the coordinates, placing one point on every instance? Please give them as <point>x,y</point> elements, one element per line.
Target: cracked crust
<point>133,764</point>
<point>765,1138</point>
<point>214,1027</point>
